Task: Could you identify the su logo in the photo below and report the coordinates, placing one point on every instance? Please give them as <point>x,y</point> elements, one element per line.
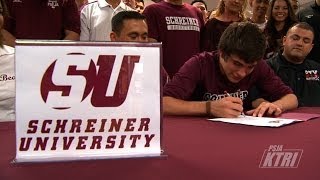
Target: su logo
<point>97,80</point>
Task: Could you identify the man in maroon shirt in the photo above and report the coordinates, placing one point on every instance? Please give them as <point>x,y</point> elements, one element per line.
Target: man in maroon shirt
<point>41,19</point>
<point>177,25</point>
<point>217,83</point>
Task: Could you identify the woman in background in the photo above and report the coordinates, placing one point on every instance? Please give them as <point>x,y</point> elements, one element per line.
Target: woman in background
<point>280,19</point>
<point>228,11</point>
<point>7,74</point>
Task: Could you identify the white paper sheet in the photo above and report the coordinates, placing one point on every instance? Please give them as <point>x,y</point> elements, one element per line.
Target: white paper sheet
<point>257,121</point>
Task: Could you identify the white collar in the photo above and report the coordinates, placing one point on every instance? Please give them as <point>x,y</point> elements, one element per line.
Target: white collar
<point>104,3</point>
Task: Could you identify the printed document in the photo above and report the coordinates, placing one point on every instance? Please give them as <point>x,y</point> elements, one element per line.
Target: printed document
<point>284,119</point>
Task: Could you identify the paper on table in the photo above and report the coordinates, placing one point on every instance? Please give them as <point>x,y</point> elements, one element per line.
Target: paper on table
<point>257,121</point>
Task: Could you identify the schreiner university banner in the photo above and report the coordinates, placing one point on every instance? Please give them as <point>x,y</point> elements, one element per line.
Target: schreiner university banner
<point>83,100</point>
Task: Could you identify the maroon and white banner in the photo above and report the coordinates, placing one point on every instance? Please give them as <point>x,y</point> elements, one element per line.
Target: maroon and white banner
<point>87,100</point>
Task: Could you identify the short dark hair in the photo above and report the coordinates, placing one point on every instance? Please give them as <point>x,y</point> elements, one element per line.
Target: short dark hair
<point>245,40</point>
<point>140,1</point>
<point>201,1</point>
<point>118,19</point>
<point>302,25</point>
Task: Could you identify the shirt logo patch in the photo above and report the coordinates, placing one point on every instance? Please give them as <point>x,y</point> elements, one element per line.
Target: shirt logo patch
<point>53,3</point>
<point>214,97</point>
<point>182,23</point>
<point>5,77</point>
<point>309,16</point>
<point>312,75</point>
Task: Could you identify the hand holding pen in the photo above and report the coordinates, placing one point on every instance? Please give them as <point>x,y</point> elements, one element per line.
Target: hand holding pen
<point>228,95</point>
<point>226,107</point>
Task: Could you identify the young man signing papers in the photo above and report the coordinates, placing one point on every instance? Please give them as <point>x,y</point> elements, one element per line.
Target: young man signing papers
<point>200,86</point>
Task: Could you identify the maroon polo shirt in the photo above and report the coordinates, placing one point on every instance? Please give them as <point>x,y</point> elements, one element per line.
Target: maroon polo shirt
<point>42,19</point>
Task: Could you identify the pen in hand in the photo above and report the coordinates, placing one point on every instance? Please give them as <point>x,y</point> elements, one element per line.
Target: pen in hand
<point>228,95</point>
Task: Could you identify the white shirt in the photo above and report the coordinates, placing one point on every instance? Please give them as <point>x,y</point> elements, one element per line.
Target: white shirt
<point>7,84</point>
<point>261,25</point>
<point>96,20</point>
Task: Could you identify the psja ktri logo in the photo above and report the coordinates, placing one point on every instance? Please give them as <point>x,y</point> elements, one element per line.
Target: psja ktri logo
<point>73,78</point>
<point>277,157</point>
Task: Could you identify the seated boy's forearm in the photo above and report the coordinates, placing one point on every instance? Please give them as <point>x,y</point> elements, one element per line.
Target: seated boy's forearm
<point>173,106</point>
